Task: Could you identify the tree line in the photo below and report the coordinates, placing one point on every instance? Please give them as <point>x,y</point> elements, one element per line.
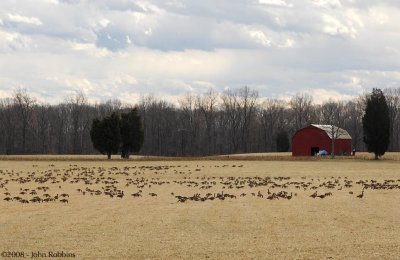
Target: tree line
<point>232,121</point>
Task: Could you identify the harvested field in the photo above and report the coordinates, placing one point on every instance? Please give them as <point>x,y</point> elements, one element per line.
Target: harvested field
<point>319,209</point>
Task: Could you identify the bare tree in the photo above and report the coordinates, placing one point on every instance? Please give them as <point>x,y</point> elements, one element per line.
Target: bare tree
<point>231,118</point>
<point>160,121</point>
<point>353,112</point>
<point>207,105</point>
<point>333,118</point>
<point>247,105</point>
<point>24,106</point>
<point>61,119</point>
<point>43,128</point>
<point>8,124</point>
<point>272,114</point>
<point>188,127</point>
<point>77,105</point>
<point>302,109</point>
<point>393,101</point>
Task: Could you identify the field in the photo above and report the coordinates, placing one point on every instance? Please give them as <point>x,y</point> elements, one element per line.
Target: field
<point>201,208</point>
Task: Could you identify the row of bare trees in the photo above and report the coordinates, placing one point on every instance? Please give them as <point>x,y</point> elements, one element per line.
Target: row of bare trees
<point>234,121</point>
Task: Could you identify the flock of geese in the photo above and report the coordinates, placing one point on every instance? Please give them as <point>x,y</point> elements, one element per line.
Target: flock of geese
<point>51,185</point>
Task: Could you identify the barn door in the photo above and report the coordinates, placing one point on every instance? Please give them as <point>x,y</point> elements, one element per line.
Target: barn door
<point>314,151</point>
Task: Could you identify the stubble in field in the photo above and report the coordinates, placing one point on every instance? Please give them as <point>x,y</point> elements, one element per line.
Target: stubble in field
<point>202,209</point>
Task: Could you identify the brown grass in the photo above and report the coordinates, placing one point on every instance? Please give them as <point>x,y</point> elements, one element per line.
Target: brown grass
<point>286,156</point>
<point>341,226</point>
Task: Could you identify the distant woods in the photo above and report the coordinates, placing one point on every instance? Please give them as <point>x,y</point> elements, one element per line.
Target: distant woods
<point>233,121</point>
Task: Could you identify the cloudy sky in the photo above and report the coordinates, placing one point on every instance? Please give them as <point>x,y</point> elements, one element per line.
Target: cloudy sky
<point>126,48</point>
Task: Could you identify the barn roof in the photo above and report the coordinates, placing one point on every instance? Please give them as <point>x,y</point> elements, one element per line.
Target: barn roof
<point>342,134</point>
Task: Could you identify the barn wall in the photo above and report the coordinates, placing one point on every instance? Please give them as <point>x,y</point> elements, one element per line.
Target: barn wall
<point>311,136</point>
<point>343,146</point>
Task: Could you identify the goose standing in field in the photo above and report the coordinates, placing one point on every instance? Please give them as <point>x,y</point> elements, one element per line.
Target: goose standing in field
<point>314,195</point>
<point>360,196</point>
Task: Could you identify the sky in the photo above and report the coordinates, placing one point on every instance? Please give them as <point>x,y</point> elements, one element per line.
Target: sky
<point>108,49</point>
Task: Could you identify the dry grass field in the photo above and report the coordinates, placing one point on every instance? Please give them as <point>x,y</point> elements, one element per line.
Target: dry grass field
<point>217,209</point>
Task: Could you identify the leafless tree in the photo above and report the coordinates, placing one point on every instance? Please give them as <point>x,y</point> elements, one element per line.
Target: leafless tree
<point>8,124</point>
<point>188,127</point>
<point>42,123</point>
<point>393,101</point>
<point>333,118</point>
<point>207,105</point>
<point>24,104</point>
<point>77,104</point>
<point>231,118</point>
<point>272,118</point>
<point>302,108</point>
<point>247,105</point>
<point>353,112</point>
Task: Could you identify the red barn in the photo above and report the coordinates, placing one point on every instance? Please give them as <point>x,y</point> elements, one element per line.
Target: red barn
<point>314,138</point>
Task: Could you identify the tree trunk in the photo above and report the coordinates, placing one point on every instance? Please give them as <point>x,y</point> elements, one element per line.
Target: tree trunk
<point>108,156</point>
<point>333,148</point>
<point>376,157</point>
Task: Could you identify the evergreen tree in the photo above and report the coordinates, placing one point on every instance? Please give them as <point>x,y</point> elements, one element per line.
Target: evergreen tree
<point>282,141</point>
<point>376,123</point>
<point>105,135</point>
<point>131,133</point>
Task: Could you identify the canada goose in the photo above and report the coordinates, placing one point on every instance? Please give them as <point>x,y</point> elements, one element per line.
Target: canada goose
<point>361,195</point>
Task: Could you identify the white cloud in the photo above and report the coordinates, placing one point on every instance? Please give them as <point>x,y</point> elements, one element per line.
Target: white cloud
<point>329,48</point>
<point>104,22</point>
<point>275,3</point>
<point>147,6</point>
<point>334,26</point>
<point>378,16</point>
<point>289,43</point>
<point>128,39</point>
<point>75,83</point>
<point>24,19</point>
<point>12,41</point>
<point>54,2</point>
<point>90,49</point>
<point>124,79</point>
<point>5,94</point>
<point>354,18</point>
<point>129,97</point>
<point>324,95</point>
<point>259,37</point>
<point>327,3</point>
